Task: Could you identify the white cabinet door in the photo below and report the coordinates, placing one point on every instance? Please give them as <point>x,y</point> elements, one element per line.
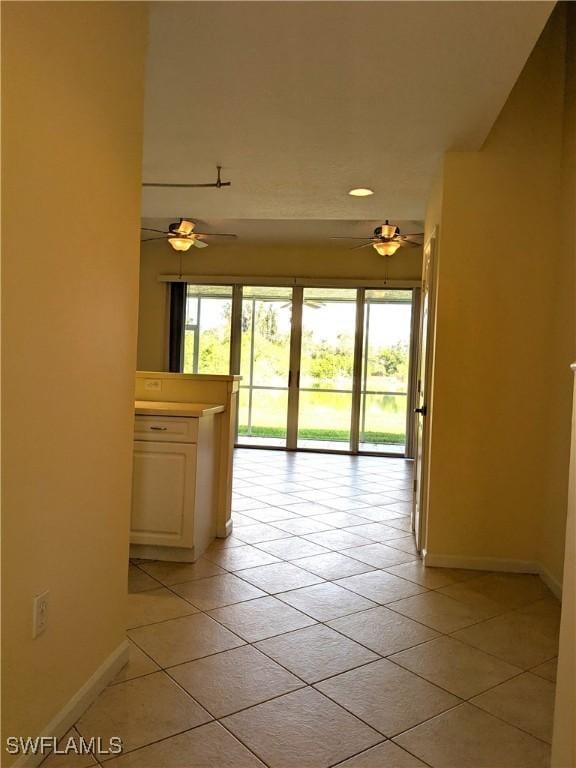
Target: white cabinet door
<point>163,489</point>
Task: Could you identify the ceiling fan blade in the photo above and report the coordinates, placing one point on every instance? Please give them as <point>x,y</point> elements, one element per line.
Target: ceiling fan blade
<point>149,229</point>
<point>148,239</point>
<point>365,245</point>
<point>215,234</point>
<point>415,243</point>
<point>200,243</point>
<point>345,237</point>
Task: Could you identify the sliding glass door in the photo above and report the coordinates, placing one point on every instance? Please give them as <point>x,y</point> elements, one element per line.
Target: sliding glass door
<point>385,384</point>
<point>323,368</point>
<point>264,366</point>
<point>207,329</point>
<point>326,368</point>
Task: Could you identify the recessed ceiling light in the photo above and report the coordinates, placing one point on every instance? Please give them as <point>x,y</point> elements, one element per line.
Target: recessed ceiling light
<point>361,192</point>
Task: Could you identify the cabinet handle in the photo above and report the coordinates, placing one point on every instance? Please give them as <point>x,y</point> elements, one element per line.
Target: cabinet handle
<point>159,429</point>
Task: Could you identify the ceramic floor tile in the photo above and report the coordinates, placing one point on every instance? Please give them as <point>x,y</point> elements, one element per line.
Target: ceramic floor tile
<point>141,711</point>
<point>245,503</point>
<point>344,502</point>
<point>301,729</point>
<point>209,746</point>
<point>252,534</point>
<point>261,618</point>
<point>433,578</point>
<point>333,565</point>
<point>466,737</point>
<point>279,577</point>
<point>217,591</point>
<point>511,637</point>
<point>155,605</point>
<point>236,558</point>
<point>180,640</point>
<point>547,670</point>
<point>438,611</point>
<point>405,544</point>
<point>325,601</point>
<point>241,521</point>
<point>317,495</point>
<point>402,507</point>
<point>387,697</point>
<point>386,755</point>
<point>378,514</point>
<point>338,519</point>
<point>282,499</point>
<point>308,509</point>
<point>544,615</point>
<point>175,573</point>
<point>292,548</point>
<point>71,759</point>
<point>234,680</point>
<point>302,526</point>
<point>337,540</point>
<point>380,586</point>
<point>376,499</point>
<point>383,631</point>
<point>455,666</point>
<point>139,664</point>
<point>504,591</point>
<point>379,555</point>
<point>315,653</point>
<point>139,580</point>
<point>268,514</point>
<point>379,532</point>
<point>526,701</point>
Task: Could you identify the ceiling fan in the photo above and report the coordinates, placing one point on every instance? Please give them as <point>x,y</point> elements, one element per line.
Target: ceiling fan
<point>182,236</point>
<point>386,239</point>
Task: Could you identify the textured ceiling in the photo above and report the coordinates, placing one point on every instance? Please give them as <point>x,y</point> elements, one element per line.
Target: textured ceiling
<point>301,101</point>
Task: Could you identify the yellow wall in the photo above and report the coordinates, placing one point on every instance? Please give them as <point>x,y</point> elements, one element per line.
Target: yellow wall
<point>259,260</point>
<point>505,332</point>
<point>72,96</point>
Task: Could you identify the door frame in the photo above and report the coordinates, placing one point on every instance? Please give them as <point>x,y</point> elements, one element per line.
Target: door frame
<point>424,367</point>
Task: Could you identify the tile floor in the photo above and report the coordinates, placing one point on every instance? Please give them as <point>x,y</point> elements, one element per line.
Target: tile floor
<point>313,637</point>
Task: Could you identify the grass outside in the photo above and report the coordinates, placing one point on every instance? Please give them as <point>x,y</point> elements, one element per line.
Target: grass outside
<point>387,438</point>
<point>324,416</point>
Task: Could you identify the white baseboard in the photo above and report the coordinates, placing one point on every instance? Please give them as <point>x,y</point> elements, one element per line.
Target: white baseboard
<point>79,703</point>
<point>551,582</point>
<point>494,564</point>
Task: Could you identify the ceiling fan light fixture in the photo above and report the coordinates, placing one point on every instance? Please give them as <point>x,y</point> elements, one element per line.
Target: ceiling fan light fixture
<point>388,230</point>
<point>181,243</point>
<point>361,192</point>
<point>386,249</point>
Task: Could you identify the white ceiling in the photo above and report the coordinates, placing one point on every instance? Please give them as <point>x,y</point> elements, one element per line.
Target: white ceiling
<point>300,101</point>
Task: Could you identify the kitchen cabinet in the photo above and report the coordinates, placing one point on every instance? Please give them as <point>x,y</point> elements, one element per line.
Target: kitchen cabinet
<point>174,494</point>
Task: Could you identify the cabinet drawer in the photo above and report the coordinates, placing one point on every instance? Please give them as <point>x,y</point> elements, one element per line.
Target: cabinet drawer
<point>166,429</point>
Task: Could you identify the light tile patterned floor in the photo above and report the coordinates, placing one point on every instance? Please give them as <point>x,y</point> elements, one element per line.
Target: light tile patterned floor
<point>313,637</point>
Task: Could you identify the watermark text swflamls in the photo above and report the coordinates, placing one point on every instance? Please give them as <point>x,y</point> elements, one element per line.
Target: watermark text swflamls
<point>43,745</point>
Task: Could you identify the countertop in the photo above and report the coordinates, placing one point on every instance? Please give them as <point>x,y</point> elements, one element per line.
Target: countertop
<point>195,410</point>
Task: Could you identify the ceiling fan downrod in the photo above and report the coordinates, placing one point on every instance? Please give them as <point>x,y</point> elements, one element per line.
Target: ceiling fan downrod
<point>216,184</point>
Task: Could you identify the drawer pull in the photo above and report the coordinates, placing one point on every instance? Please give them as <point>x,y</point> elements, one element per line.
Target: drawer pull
<point>159,429</point>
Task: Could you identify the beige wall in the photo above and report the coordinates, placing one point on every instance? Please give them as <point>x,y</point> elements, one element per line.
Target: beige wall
<point>505,331</point>
<point>72,94</point>
<point>259,260</point>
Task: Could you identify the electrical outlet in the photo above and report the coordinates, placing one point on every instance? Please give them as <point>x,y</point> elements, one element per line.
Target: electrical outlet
<point>39,614</point>
<point>153,385</point>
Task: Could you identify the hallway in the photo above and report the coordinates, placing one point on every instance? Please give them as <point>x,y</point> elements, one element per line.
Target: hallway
<point>312,638</point>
